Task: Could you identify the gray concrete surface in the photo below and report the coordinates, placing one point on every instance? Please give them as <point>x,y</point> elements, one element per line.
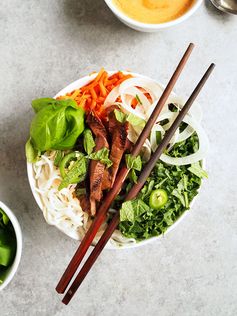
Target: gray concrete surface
<point>44,45</point>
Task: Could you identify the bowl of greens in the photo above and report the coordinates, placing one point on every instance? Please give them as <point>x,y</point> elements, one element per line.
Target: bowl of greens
<point>10,245</point>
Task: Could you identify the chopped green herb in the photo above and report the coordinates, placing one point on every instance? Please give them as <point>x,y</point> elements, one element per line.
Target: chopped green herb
<point>138,99</point>
<point>102,156</point>
<point>133,162</point>
<point>135,120</point>
<point>120,116</point>
<point>88,141</point>
<point>76,173</point>
<point>181,183</point>
<point>131,118</point>
<point>197,170</point>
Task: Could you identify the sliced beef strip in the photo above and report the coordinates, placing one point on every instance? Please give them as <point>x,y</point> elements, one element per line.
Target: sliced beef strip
<point>96,168</point>
<point>119,142</point>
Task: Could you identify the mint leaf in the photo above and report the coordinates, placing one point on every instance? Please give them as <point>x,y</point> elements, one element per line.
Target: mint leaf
<point>88,141</point>
<point>120,116</point>
<point>102,156</point>
<point>135,120</point>
<point>76,174</point>
<point>133,162</point>
<point>132,210</point>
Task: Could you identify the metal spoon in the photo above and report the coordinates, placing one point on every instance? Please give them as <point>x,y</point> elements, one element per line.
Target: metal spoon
<point>228,6</point>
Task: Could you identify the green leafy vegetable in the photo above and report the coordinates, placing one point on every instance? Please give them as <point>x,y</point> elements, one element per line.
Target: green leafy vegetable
<point>120,116</point>
<point>131,210</point>
<point>7,244</point>
<point>134,176</point>
<point>76,174</point>
<point>133,162</point>
<point>67,162</point>
<point>56,125</point>
<point>31,153</point>
<point>88,141</point>
<point>3,217</point>
<point>102,156</point>
<point>197,170</point>
<point>181,184</point>
<point>131,118</point>
<point>135,120</point>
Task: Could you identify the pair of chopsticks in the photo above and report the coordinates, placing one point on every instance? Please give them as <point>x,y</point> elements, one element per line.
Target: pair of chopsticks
<point>101,215</point>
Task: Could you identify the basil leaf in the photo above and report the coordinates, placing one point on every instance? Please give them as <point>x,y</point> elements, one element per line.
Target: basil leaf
<point>57,125</point>
<point>88,141</point>
<point>41,103</point>
<point>102,156</point>
<point>133,162</point>
<point>31,153</point>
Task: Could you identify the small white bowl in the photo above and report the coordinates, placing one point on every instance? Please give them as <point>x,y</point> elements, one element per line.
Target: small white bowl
<point>13,268</point>
<point>148,27</point>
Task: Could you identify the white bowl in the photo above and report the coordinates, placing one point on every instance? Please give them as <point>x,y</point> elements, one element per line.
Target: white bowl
<point>148,27</point>
<point>13,268</point>
<point>75,85</point>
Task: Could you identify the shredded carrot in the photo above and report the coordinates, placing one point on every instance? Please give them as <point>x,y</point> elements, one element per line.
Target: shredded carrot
<point>92,96</point>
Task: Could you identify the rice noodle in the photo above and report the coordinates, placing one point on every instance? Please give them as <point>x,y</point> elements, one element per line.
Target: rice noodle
<point>62,208</point>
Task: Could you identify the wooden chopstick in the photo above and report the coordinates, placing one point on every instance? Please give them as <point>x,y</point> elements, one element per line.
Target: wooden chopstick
<point>122,174</point>
<point>135,189</point>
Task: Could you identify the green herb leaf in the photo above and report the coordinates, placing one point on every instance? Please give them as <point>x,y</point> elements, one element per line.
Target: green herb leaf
<point>134,176</point>
<point>120,116</point>
<point>76,174</point>
<point>132,210</point>
<point>181,186</point>
<point>31,153</point>
<point>56,125</point>
<point>88,141</point>
<point>3,217</point>
<point>135,120</point>
<point>131,118</point>
<point>197,170</point>
<point>102,156</point>
<point>138,99</point>
<point>133,162</point>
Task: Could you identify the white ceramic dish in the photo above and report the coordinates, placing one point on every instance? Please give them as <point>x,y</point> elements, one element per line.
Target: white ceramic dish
<point>17,228</point>
<point>75,85</point>
<point>146,27</point>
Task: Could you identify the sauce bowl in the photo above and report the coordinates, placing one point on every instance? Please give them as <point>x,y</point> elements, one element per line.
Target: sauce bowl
<point>147,27</point>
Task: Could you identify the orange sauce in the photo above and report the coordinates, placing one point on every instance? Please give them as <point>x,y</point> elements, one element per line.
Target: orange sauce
<point>154,11</point>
